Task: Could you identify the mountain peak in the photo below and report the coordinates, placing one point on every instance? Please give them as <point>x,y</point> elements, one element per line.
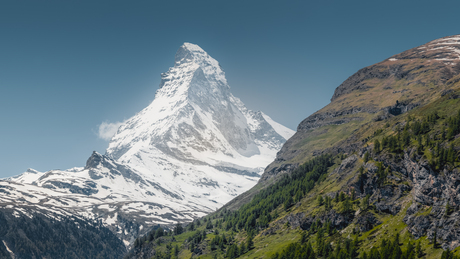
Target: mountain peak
<point>94,160</point>
<point>192,47</point>
<point>190,52</point>
<point>191,61</point>
<point>446,49</point>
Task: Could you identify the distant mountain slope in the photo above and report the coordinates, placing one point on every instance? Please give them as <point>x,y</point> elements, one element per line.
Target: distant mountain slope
<point>39,236</point>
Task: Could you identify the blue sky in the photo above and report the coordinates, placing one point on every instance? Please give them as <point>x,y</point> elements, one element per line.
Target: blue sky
<point>68,66</point>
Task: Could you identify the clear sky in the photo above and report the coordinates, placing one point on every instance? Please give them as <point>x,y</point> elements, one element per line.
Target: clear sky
<point>68,66</point>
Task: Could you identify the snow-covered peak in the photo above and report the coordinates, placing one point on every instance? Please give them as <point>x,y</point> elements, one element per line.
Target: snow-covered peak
<point>194,117</point>
<point>189,52</point>
<point>192,57</point>
<point>94,160</point>
<point>29,176</point>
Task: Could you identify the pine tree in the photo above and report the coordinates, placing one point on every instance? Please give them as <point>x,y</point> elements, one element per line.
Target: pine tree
<point>176,250</point>
<point>377,146</point>
<point>342,196</point>
<point>298,195</point>
<point>366,157</point>
<point>191,226</point>
<point>447,254</point>
<point>346,205</point>
<point>418,250</point>
<point>250,242</point>
<point>303,237</point>
<point>365,202</point>
<point>209,224</point>
<point>242,248</point>
<point>288,203</point>
<point>159,232</point>
<point>320,241</point>
<point>320,200</point>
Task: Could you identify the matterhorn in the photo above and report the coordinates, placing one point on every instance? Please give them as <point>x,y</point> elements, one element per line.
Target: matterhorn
<point>194,148</point>
<point>196,140</point>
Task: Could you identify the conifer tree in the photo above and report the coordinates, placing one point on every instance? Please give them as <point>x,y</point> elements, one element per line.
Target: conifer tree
<point>303,237</point>
<point>320,200</point>
<point>250,242</point>
<point>342,196</point>
<point>418,250</point>
<point>288,203</point>
<point>377,146</point>
<point>366,157</point>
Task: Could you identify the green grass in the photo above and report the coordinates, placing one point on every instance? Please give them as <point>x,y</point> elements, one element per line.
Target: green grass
<point>391,225</point>
<point>265,246</point>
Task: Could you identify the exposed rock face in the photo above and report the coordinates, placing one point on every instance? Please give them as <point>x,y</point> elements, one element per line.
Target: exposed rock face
<point>331,118</point>
<point>366,221</point>
<point>431,193</point>
<point>338,220</point>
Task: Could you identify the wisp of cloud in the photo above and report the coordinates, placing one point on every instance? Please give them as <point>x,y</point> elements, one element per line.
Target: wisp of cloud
<point>108,129</point>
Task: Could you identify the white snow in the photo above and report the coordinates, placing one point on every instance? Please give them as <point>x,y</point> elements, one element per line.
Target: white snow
<point>28,176</point>
<point>448,47</point>
<point>285,132</point>
<point>111,220</point>
<point>7,248</point>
